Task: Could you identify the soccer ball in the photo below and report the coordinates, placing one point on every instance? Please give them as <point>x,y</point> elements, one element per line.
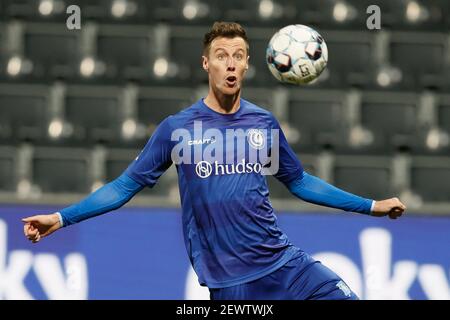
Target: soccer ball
<point>297,54</point>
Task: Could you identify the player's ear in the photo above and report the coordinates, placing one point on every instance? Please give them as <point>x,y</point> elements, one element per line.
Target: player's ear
<point>247,63</point>
<point>205,63</point>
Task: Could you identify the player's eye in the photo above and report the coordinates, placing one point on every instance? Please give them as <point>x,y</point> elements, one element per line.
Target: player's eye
<point>221,56</point>
<point>239,56</point>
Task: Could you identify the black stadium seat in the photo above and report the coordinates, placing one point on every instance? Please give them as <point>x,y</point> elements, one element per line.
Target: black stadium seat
<point>444,117</point>
<point>186,50</point>
<point>155,104</point>
<point>430,179</point>
<point>420,57</point>
<point>392,122</point>
<point>262,75</point>
<point>7,169</point>
<point>22,117</point>
<point>62,60</point>
<point>317,117</point>
<point>59,171</point>
<point>94,117</point>
<point>350,59</point>
<point>128,53</point>
<point>368,177</point>
<point>154,110</point>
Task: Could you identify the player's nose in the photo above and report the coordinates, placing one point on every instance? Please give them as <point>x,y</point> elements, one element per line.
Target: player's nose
<point>231,64</point>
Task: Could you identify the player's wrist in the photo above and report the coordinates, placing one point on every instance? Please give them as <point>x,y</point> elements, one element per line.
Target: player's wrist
<point>372,207</point>
<point>58,219</point>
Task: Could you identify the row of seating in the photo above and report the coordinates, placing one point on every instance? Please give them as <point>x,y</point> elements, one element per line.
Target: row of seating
<point>172,55</point>
<point>337,14</point>
<point>74,170</point>
<point>376,121</point>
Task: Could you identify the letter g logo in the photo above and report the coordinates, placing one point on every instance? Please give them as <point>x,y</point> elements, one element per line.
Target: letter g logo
<point>255,138</point>
<point>203,169</point>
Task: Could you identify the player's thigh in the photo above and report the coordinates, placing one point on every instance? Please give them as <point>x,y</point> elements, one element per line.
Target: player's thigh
<point>316,281</point>
<point>265,288</point>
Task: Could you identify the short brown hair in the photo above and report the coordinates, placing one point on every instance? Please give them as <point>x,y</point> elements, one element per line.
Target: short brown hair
<point>224,29</point>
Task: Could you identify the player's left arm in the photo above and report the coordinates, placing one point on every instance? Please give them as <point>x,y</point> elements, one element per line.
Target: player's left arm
<point>315,190</point>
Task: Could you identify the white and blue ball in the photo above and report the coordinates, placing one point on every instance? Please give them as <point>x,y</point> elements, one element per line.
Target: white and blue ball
<point>297,54</point>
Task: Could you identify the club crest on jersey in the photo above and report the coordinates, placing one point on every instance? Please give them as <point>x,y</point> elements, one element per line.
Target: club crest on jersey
<point>256,139</point>
<point>203,169</point>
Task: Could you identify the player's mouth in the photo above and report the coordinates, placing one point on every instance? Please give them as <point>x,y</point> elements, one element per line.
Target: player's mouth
<point>231,81</point>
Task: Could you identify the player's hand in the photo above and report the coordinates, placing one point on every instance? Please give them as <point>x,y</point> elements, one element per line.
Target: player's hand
<point>37,227</point>
<point>391,207</point>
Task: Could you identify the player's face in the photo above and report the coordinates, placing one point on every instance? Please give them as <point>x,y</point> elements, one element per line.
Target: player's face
<point>226,64</point>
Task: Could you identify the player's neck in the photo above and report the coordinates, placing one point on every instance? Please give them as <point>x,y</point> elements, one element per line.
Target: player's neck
<point>221,103</point>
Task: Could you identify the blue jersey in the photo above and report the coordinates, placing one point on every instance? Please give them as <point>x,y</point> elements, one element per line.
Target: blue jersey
<point>230,229</point>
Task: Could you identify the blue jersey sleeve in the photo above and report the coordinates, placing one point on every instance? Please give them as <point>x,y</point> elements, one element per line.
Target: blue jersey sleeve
<point>107,198</point>
<point>317,191</point>
<point>155,158</point>
<point>290,166</point>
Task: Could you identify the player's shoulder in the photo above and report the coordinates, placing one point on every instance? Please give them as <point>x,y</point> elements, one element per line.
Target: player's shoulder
<point>252,107</point>
<point>178,119</point>
<point>258,111</point>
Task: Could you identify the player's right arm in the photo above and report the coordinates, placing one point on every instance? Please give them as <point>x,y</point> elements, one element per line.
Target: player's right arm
<point>107,198</point>
<point>144,171</point>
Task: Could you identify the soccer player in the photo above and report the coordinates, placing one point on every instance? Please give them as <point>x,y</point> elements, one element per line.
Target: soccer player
<point>230,229</point>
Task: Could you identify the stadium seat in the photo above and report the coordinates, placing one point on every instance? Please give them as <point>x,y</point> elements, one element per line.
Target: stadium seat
<point>18,9</point>
<point>186,50</point>
<point>93,113</point>
<point>3,53</point>
<point>23,113</point>
<point>61,170</point>
<point>62,60</point>
<point>155,104</point>
<point>318,118</point>
<point>135,11</point>
<point>154,110</point>
<point>420,57</point>
<point>430,178</point>
<point>167,11</point>
<point>351,61</point>
<point>444,117</point>
<point>368,177</point>
<point>259,73</point>
<point>258,13</point>
<point>392,122</point>
<point>259,96</point>
<point>7,169</point>
<point>236,10</point>
<point>127,51</point>
<point>431,16</point>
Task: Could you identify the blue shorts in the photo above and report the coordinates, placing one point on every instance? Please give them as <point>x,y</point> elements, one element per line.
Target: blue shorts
<point>301,278</point>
